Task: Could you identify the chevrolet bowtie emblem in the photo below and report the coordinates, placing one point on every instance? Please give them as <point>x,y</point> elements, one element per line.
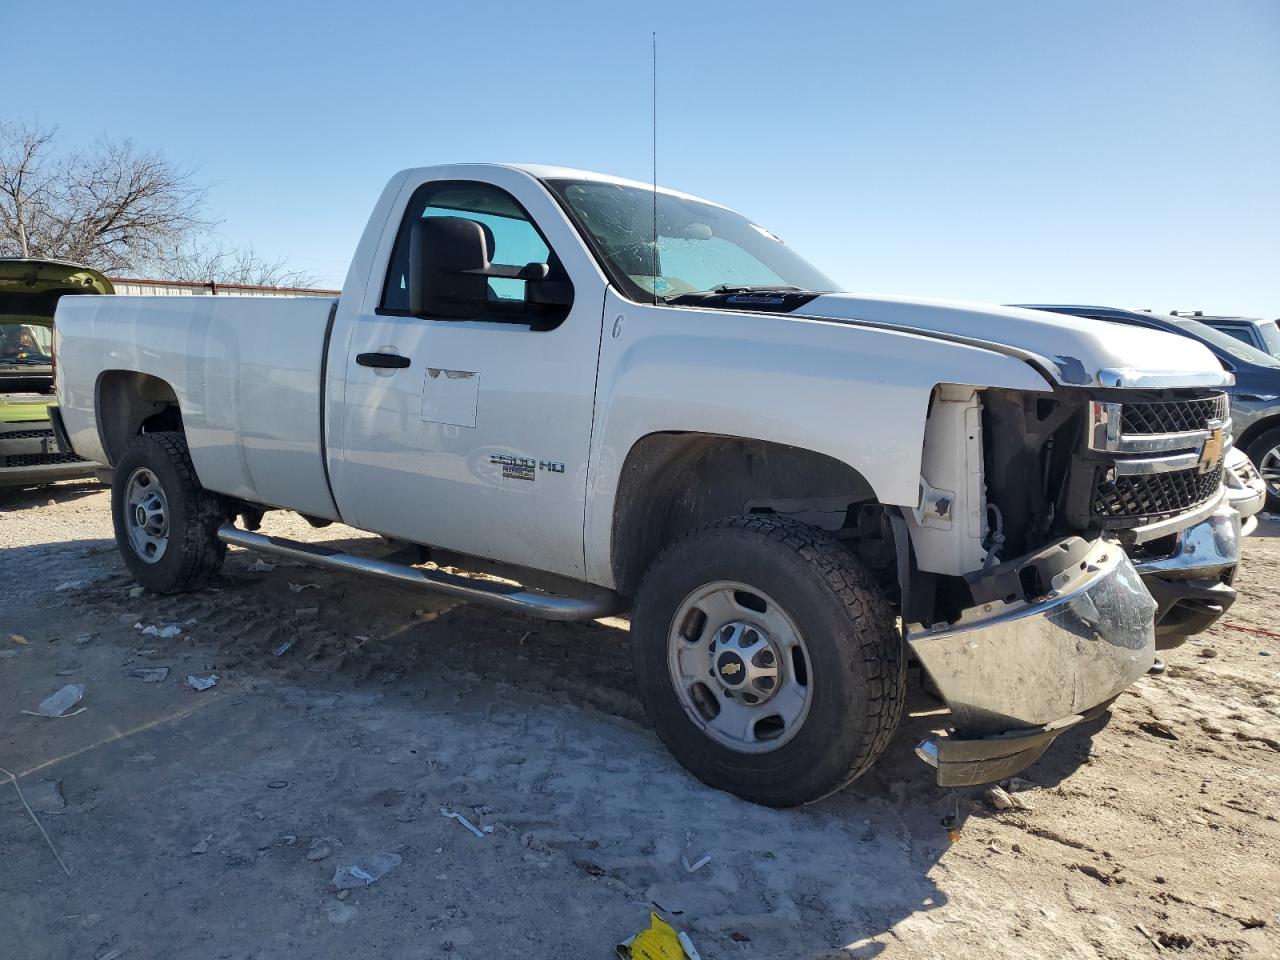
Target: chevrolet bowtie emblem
<point>731,668</point>
<point>1211,452</point>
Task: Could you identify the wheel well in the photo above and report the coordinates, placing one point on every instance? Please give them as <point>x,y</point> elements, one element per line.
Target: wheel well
<point>130,403</point>
<point>673,482</point>
<point>1255,431</point>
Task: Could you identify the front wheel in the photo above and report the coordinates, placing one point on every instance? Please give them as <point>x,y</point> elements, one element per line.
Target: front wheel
<point>767,659</point>
<point>166,524</point>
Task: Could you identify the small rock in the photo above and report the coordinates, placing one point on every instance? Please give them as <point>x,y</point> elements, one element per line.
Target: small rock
<point>202,683</point>
<point>1016,847</point>
<point>1157,729</point>
<point>136,592</point>
<point>319,850</point>
<point>202,845</point>
<point>1208,653</point>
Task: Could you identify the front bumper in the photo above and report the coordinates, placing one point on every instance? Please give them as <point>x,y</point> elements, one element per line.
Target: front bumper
<point>1192,585</point>
<point>1017,674</point>
<point>1246,490</point>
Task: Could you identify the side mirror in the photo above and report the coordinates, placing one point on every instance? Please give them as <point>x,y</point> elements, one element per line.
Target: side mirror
<point>448,267</point>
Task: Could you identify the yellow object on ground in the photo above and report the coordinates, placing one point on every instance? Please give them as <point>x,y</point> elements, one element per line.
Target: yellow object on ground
<point>658,941</point>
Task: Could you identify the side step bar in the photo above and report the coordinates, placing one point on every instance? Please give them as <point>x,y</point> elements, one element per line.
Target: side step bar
<point>589,606</point>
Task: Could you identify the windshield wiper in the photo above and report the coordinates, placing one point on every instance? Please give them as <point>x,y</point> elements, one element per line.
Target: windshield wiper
<point>757,288</point>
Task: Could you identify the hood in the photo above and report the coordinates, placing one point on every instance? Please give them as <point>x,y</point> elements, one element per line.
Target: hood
<point>30,289</point>
<point>1071,351</point>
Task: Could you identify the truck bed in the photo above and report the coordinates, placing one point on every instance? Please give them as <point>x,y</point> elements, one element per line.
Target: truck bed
<point>247,372</point>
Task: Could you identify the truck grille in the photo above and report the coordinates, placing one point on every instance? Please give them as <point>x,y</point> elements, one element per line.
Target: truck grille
<point>34,459</point>
<point>39,459</point>
<point>26,434</point>
<point>1148,456</point>
<point>1172,416</point>
<point>1154,497</point>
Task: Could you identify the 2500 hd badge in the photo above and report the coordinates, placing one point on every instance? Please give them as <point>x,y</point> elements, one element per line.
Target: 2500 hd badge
<point>524,468</point>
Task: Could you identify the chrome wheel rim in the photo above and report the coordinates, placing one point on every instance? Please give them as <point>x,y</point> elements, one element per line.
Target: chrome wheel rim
<point>1269,467</point>
<point>146,515</point>
<point>740,667</point>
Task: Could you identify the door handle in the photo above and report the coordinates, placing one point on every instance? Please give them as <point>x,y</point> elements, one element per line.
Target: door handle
<point>383,360</point>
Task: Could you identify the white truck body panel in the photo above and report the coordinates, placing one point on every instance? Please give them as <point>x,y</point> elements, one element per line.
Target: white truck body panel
<point>246,371</point>
<point>413,455</point>
<point>797,381</point>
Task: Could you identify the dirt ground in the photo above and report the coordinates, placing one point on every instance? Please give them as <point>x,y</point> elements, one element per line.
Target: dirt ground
<point>350,717</point>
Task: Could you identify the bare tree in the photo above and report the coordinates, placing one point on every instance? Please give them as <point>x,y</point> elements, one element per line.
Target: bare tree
<point>119,209</point>
<point>115,207</point>
<point>211,262</point>
<point>26,187</point>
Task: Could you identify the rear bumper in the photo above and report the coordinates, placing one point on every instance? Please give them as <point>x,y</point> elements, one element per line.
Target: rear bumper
<point>1017,675</point>
<point>1192,586</point>
<point>30,453</point>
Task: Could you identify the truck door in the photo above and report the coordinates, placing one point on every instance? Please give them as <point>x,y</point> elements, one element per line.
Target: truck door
<point>473,435</point>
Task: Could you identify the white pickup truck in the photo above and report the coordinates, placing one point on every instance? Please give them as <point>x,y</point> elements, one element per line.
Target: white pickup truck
<point>623,398</point>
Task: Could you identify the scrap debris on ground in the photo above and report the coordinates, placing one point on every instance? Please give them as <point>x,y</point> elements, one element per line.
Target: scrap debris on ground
<point>499,770</point>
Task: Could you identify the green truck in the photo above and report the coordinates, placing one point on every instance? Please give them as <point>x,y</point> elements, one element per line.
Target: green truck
<point>30,451</point>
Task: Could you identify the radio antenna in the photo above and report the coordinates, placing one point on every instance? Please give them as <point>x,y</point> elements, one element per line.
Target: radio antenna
<point>654,137</point>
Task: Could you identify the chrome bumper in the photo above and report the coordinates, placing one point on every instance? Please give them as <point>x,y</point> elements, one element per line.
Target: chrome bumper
<point>1246,490</point>
<point>1192,586</point>
<point>1018,674</point>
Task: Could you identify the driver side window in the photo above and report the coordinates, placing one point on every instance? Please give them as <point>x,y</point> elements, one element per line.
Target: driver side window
<point>512,237</point>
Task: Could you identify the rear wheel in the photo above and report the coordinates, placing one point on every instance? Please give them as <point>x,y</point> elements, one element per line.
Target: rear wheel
<point>1265,454</point>
<point>166,524</point>
<point>768,661</point>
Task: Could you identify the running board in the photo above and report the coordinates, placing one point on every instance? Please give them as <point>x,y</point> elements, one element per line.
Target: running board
<point>589,606</point>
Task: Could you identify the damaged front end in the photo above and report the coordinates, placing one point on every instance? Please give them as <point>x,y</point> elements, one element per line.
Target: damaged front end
<point>1055,637</point>
<point>1110,502</point>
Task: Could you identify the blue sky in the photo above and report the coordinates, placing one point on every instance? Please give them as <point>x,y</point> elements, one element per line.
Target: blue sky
<point>1092,151</point>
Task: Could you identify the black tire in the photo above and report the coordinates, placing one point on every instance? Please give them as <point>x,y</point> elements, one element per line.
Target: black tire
<point>192,552</point>
<point>856,662</point>
<point>1269,442</point>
